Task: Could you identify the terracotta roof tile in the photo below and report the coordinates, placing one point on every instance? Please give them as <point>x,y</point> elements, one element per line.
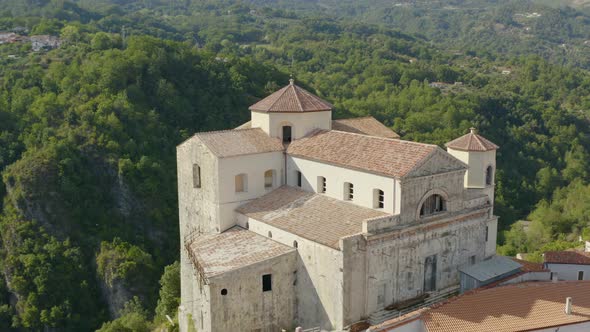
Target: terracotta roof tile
<point>530,266</point>
<point>233,249</point>
<point>366,125</point>
<point>518,307</point>
<point>229,143</point>
<point>567,257</point>
<point>389,157</point>
<point>312,216</point>
<point>472,142</point>
<point>291,99</point>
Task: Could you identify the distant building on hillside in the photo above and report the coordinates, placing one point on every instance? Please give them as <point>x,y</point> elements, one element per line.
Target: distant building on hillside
<point>298,220</point>
<point>44,42</point>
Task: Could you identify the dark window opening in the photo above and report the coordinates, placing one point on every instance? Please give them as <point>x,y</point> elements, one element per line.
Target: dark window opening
<point>269,234</point>
<point>299,178</point>
<point>430,273</point>
<point>348,191</point>
<point>196,176</point>
<point>224,292</point>
<point>295,244</point>
<point>487,233</point>
<point>267,282</point>
<point>381,199</point>
<point>472,260</point>
<point>286,134</point>
<point>321,184</point>
<point>580,275</point>
<point>433,204</point>
<point>489,175</point>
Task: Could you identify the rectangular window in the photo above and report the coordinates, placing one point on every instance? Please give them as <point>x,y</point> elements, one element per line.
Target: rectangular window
<point>472,260</point>
<point>196,176</point>
<point>267,282</point>
<point>299,178</point>
<point>381,199</point>
<point>241,183</point>
<point>348,191</point>
<point>487,233</point>
<point>580,275</point>
<point>321,184</point>
<point>268,179</point>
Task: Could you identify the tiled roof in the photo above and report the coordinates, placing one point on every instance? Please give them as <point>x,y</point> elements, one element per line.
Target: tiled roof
<point>367,125</point>
<point>235,248</point>
<point>567,257</point>
<point>518,307</point>
<point>312,216</point>
<point>529,266</point>
<point>472,142</point>
<point>291,99</point>
<point>228,143</point>
<point>389,157</point>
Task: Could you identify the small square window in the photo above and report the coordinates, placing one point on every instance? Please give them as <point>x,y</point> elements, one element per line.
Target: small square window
<point>267,283</point>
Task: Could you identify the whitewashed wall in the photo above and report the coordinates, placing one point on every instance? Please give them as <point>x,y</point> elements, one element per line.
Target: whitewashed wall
<point>364,183</point>
<point>301,123</point>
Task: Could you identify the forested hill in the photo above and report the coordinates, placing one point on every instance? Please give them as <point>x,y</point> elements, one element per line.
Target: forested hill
<point>88,134</point>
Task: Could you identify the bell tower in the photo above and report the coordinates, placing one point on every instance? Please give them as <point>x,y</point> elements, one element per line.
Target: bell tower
<point>480,155</point>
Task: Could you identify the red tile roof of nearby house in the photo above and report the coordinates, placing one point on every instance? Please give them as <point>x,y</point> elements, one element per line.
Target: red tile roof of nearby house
<point>517,307</point>
<point>367,125</point>
<point>567,257</point>
<point>312,216</point>
<point>388,157</point>
<point>472,142</point>
<point>229,143</point>
<point>291,99</point>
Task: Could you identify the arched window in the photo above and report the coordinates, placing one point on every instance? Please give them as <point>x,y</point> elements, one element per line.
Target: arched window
<point>241,183</point>
<point>433,204</point>
<point>489,175</point>
<point>287,134</point>
<point>270,234</point>
<point>295,245</point>
<point>268,178</point>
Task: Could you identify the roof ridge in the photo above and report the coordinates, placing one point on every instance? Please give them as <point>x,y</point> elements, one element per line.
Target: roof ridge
<point>385,138</point>
<point>279,97</point>
<point>224,130</point>
<point>297,96</point>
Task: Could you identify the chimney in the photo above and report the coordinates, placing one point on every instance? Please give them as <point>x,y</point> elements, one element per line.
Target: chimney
<point>568,305</point>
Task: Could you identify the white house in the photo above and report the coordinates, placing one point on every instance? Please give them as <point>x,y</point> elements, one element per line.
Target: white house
<point>568,265</point>
<point>298,220</point>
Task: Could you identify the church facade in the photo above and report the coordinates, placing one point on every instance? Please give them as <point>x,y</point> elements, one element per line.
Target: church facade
<point>298,220</point>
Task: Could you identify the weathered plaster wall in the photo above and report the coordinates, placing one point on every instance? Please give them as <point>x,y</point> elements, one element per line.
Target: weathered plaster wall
<point>395,260</point>
<point>246,307</point>
<point>301,123</point>
<point>197,212</point>
<point>415,190</point>
<point>319,285</point>
<point>364,183</point>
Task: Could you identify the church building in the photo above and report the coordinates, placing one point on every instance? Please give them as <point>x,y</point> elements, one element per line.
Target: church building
<point>297,220</point>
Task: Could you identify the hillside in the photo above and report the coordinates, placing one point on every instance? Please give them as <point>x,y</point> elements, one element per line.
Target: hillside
<point>88,131</point>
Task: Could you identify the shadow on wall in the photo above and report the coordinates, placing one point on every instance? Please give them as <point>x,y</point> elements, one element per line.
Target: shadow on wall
<point>310,310</point>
